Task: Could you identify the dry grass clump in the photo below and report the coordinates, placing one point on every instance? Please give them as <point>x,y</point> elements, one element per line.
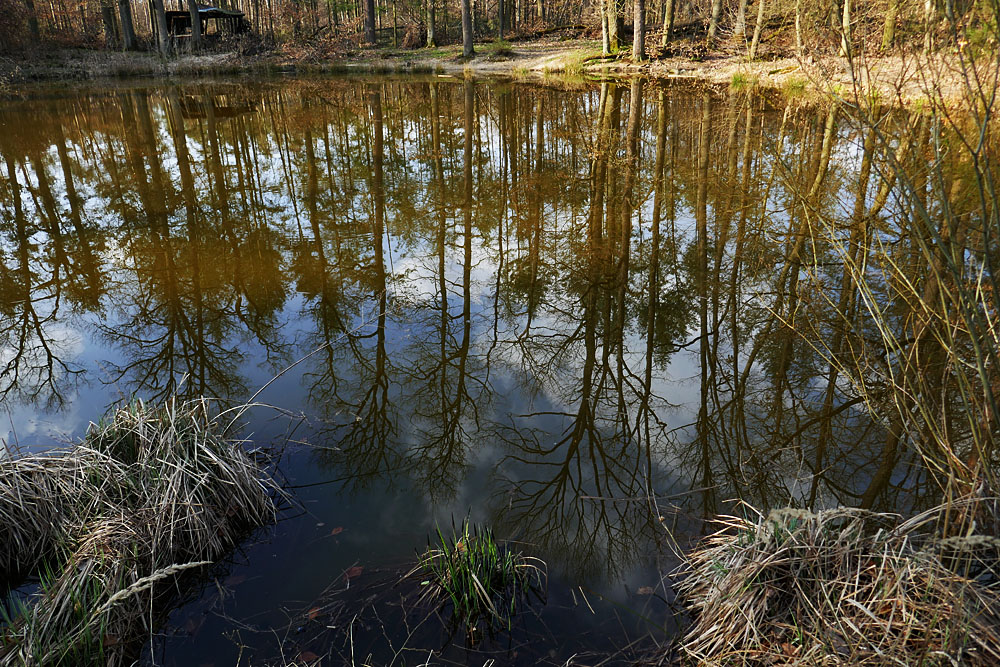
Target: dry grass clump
<point>148,494</point>
<point>843,586</point>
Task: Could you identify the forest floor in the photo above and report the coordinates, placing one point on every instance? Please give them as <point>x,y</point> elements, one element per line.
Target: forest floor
<point>896,79</point>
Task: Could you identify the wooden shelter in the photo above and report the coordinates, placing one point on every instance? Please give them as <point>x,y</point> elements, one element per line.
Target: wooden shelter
<point>227,21</point>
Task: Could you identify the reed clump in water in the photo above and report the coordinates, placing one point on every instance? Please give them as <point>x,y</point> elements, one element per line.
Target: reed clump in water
<point>844,586</point>
<point>148,494</point>
<point>482,581</point>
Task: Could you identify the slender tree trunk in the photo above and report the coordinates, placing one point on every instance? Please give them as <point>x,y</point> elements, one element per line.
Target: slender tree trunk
<point>713,21</point>
<point>605,34</point>
<point>501,6</point>
<point>798,28</point>
<point>740,29</point>
<point>539,10</point>
<point>110,27</point>
<point>639,28</point>
<point>33,31</point>
<point>889,29</point>
<point>929,12</point>
<point>431,28</point>
<point>370,22</point>
<point>195,25</point>
<point>160,21</point>
<point>612,18</point>
<point>755,42</point>
<point>467,50</point>
<point>668,22</point>
<point>845,31</point>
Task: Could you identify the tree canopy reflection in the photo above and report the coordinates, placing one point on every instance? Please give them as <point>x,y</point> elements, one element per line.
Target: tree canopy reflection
<point>586,296</point>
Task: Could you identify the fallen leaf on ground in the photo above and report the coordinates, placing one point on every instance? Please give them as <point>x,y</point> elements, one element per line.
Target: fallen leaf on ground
<point>353,572</point>
<point>313,613</point>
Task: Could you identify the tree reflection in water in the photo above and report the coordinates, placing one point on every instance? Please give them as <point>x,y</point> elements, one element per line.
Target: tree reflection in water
<point>551,305</point>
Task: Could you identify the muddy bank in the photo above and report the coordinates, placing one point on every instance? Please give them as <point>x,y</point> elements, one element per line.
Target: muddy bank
<point>896,79</point>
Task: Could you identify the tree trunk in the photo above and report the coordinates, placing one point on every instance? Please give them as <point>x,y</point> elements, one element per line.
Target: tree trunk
<point>889,30</point>
<point>740,29</point>
<point>467,50</point>
<point>539,10</point>
<point>798,28</point>
<point>605,30</point>
<point>110,27</point>
<point>431,28</point>
<point>370,22</point>
<point>845,31</point>
<point>195,25</point>
<point>755,42</point>
<point>713,21</point>
<point>668,22</point>
<point>613,34</point>
<point>928,24</point>
<point>639,31</point>
<point>160,21</point>
<point>128,28</point>
<point>500,18</point>
<point>32,21</point>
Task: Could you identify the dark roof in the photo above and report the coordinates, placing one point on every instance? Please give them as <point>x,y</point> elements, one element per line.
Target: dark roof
<point>216,12</point>
<point>209,12</point>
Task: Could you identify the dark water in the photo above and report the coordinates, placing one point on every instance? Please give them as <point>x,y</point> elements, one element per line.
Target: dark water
<point>533,306</point>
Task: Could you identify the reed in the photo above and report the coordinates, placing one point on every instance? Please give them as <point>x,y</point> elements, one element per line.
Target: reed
<point>147,495</point>
<point>482,582</point>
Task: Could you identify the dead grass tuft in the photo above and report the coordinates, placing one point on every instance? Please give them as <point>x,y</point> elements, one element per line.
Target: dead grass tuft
<point>148,494</point>
<point>843,586</point>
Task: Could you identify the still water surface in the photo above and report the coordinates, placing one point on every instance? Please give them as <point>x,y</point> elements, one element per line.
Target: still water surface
<point>532,306</point>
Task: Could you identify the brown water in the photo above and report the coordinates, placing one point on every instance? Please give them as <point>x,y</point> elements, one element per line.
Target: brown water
<point>531,305</point>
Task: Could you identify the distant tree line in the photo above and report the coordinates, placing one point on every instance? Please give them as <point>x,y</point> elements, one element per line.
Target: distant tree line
<point>762,28</point>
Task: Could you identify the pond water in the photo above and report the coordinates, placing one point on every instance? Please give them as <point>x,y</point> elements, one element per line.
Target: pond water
<point>579,314</point>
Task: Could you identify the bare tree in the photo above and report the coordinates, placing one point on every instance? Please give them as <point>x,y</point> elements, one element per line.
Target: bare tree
<point>370,22</point>
<point>431,27</point>
<point>195,25</point>
<point>467,50</point>
<point>668,21</point>
<point>162,38</point>
<point>129,41</point>
<point>713,21</point>
<point>639,38</point>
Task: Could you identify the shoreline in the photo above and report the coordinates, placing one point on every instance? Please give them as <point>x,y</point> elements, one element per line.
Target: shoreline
<point>899,80</point>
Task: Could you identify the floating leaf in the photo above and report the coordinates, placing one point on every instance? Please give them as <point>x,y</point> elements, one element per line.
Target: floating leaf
<point>353,572</point>
<point>236,580</point>
<point>313,613</point>
<point>193,625</point>
<point>645,590</point>
<point>337,531</point>
<point>308,656</point>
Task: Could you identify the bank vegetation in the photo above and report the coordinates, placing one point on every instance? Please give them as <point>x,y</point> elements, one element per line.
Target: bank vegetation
<point>114,528</point>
